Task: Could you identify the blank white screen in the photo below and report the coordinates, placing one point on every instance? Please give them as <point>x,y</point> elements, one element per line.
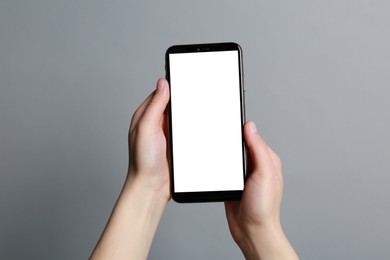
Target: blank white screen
<point>206,121</point>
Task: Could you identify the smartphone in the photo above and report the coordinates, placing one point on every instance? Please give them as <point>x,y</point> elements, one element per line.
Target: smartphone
<point>206,117</point>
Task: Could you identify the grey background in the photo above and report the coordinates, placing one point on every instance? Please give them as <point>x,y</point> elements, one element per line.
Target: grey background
<point>73,72</point>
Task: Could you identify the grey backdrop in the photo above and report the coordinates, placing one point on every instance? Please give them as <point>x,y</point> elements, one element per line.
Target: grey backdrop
<point>73,72</point>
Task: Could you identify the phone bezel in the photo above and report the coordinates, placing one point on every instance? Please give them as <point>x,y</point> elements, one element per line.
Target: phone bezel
<point>206,196</point>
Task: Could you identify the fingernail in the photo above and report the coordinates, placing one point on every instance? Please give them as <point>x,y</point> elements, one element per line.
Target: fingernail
<point>252,127</point>
<point>160,84</point>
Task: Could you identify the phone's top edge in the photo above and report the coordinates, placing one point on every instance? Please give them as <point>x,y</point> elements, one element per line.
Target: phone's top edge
<point>204,44</point>
<point>204,47</point>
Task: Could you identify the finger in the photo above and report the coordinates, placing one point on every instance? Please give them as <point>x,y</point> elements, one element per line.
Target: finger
<point>258,149</point>
<point>140,111</point>
<point>156,107</point>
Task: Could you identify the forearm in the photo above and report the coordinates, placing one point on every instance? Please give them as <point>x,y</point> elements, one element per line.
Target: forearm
<point>133,223</point>
<point>269,243</point>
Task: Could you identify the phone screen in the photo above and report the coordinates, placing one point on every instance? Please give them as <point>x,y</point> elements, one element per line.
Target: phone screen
<point>206,121</point>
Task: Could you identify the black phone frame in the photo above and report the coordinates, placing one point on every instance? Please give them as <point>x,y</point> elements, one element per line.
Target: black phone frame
<point>206,196</point>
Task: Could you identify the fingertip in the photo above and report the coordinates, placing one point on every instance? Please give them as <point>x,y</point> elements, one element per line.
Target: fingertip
<point>162,88</point>
<point>252,127</point>
<point>255,143</point>
<point>158,102</point>
<point>250,131</point>
<point>161,84</point>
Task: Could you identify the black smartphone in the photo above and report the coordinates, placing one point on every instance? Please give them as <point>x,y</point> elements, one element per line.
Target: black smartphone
<point>206,118</point>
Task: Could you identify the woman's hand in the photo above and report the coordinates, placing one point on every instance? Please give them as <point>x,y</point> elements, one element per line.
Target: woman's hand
<point>130,230</point>
<point>147,142</point>
<point>254,222</point>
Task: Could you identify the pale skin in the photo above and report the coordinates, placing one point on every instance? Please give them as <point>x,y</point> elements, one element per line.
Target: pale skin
<point>254,221</point>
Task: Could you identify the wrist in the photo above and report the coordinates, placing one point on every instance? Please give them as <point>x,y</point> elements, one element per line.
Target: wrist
<point>267,242</point>
<point>133,222</point>
<point>147,191</point>
<point>152,188</point>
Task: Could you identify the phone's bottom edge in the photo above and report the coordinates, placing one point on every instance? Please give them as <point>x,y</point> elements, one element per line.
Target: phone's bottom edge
<point>207,196</point>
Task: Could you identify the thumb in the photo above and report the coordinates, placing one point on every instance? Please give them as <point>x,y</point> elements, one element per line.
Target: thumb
<point>258,149</point>
<point>157,105</point>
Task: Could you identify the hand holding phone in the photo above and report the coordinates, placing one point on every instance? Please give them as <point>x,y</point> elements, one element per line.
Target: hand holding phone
<point>252,221</point>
